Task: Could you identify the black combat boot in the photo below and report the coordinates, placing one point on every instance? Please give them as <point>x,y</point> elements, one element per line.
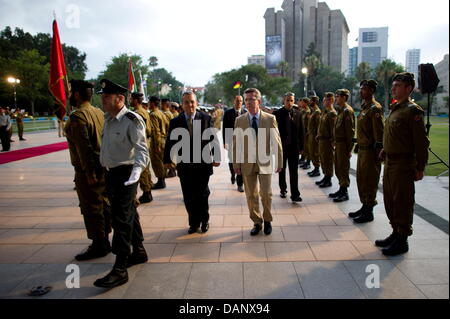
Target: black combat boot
<point>358,212</point>
<point>365,217</point>
<point>399,246</point>
<point>118,275</point>
<point>321,181</point>
<point>160,184</point>
<point>301,161</point>
<point>342,197</point>
<point>139,256</point>
<point>337,194</point>
<point>97,249</point>
<point>384,243</point>
<point>172,173</point>
<point>146,197</point>
<point>315,172</point>
<point>306,165</point>
<point>326,182</point>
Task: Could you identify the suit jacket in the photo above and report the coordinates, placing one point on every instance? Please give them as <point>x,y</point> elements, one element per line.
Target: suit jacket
<point>245,150</point>
<point>229,119</point>
<point>295,142</point>
<point>204,165</point>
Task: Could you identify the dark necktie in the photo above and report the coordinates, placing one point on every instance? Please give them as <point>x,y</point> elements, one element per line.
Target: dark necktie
<point>190,124</point>
<point>255,125</point>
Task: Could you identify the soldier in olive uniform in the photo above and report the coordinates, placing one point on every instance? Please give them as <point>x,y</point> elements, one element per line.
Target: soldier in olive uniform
<point>313,126</point>
<point>145,181</point>
<point>405,150</point>
<point>83,132</point>
<point>165,108</point>
<point>304,105</point>
<point>369,138</point>
<point>344,132</point>
<point>159,123</point>
<point>325,137</point>
<point>18,116</point>
<point>174,107</point>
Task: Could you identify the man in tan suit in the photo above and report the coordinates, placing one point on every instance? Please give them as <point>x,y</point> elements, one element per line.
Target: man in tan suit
<point>254,132</point>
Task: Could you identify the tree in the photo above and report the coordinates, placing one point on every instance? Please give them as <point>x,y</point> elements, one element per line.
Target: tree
<point>313,65</point>
<point>283,67</point>
<point>311,50</point>
<point>363,71</point>
<point>385,71</point>
<point>350,84</point>
<point>166,77</point>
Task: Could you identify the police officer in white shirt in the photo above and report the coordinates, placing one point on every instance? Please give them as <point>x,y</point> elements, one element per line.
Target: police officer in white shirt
<point>124,154</point>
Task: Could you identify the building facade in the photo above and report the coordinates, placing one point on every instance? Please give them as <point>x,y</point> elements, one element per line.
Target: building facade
<point>352,61</point>
<point>373,45</point>
<point>442,69</point>
<point>257,59</point>
<point>291,30</point>
<point>412,61</point>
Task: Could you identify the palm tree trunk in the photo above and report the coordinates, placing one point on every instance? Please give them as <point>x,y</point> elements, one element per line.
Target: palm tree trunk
<point>386,95</point>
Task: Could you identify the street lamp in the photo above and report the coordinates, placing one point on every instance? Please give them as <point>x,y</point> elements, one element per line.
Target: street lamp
<point>305,73</point>
<point>14,82</point>
<point>159,91</point>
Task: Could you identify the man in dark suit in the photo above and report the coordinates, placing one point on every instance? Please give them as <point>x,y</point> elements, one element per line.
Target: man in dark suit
<point>291,132</point>
<point>196,155</point>
<point>228,125</point>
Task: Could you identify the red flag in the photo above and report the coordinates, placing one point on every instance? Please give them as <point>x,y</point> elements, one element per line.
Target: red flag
<point>131,79</point>
<point>57,73</point>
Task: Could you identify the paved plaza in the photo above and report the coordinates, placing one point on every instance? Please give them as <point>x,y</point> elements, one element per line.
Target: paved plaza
<point>315,250</point>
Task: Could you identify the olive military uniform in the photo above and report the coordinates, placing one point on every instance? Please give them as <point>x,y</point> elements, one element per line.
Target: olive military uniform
<point>313,126</point>
<point>344,131</point>
<point>325,136</point>
<point>18,116</point>
<point>369,136</point>
<point>305,118</point>
<point>145,181</point>
<point>159,124</point>
<point>83,133</point>
<point>406,147</point>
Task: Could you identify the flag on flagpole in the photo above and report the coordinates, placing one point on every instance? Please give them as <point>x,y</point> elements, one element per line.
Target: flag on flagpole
<point>237,85</point>
<point>131,78</point>
<point>57,73</point>
<point>141,85</point>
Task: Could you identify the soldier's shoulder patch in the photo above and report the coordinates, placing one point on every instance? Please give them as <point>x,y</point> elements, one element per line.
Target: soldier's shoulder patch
<point>416,109</point>
<point>418,118</point>
<point>131,116</point>
<point>378,115</point>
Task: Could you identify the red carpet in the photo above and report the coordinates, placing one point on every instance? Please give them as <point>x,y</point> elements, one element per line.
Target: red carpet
<point>18,155</point>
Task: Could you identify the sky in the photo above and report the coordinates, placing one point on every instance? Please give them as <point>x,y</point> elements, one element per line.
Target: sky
<point>196,39</point>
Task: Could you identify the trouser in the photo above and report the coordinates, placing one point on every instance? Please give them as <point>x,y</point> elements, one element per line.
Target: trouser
<point>20,130</point>
<point>306,148</point>
<point>239,179</point>
<point>145,181</point>
<point>398,193</point>
<point>4,136</point>
<point>313,146</point>
<point>125,219</point>
<point>94,205</point>
<point>290,158</point>
<point>158,164</point>
<point>253,192</point>
<point>368,171</point>
<point>326,157</point>
<point>342,164</point>
<point>194,185</point>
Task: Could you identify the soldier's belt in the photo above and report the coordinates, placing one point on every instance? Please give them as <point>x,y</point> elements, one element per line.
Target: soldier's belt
<point>366,148</point>
<point>399,156</point>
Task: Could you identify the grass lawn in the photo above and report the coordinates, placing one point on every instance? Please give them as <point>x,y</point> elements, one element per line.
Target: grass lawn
<point>439,145</point>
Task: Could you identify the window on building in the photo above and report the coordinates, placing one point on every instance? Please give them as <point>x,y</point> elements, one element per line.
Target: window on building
<point>369,37</point>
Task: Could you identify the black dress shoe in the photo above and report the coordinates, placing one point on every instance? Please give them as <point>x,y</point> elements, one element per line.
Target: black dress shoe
<point>335,195</point>
<point>139,256</point>
<point>321,181</point>
<point>326,184</point>
<point>256,229</point>
<point>146,198</point>
<point>92,252</point>
<point>267,228</point>
<point>314,173</point>
<point>114,279</point>
<point>383,243</point>
<point>297,199</point>
<point>341,198</point>
<point>365,217</point>
<point>205,227</point>
<point>358,212</point>
<point>306,166</point>
<point>240,189</point>
<point>22,139</point>
<point>283,194</point>
<point>192,230</point>
<point>233,180</point>
<point>398,247</point>
<point>161,184</point>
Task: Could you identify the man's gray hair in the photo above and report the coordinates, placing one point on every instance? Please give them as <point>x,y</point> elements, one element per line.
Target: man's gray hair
<point>254,90</point>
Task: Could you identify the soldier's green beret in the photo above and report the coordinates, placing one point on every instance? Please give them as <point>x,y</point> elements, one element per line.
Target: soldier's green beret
<point>405,77</point>
<point>109,87</point>
<point>312,94</point>
<point>306,100</point>
<point>343,92</point>
<point>369,83</point>
<point>329,94</point>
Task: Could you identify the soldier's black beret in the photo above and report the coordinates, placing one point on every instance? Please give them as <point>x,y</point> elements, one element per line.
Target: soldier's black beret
<point>343,92</point>
<point>78,85</point>
<point>369,83</point>
<point>137,95</point>
<point>312,93</point>
<point>329,94</point>
<point>109,87</point>
<point>165,100</point>
<point>154,99</point>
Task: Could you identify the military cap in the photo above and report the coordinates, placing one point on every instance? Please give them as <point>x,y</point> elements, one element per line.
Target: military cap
<point>405,77</point>
<point>306,100</point>
<point>137,95</point>
<point>165,100</point>
<point>175,104</point>
<point>110,87</point>
<point>329,94</point>
<point>369,83</point>
<point>78,85</point>
<point>312,93</point>
<point>154,99</point>
<point>343,92</point>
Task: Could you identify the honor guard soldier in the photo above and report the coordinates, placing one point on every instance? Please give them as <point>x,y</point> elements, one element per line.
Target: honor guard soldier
<point>369,138</point>
<point>344,132</point>
<point>405,150</point>
<point>83,131</point>
<point>313,126</point>
<point>124,154</point>
<point>18,116</point>
<point>165,108</point>
<point>325,137</point>
<point>145,181</point>
<point>304,105</point>
<point>159,123</point>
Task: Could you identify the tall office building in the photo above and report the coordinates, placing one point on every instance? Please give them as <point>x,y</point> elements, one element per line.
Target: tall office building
<point>373,45</point>
<point>291,30</point>
<point>413,61</point>
<point>352,61</point>
<point>257,59</point>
